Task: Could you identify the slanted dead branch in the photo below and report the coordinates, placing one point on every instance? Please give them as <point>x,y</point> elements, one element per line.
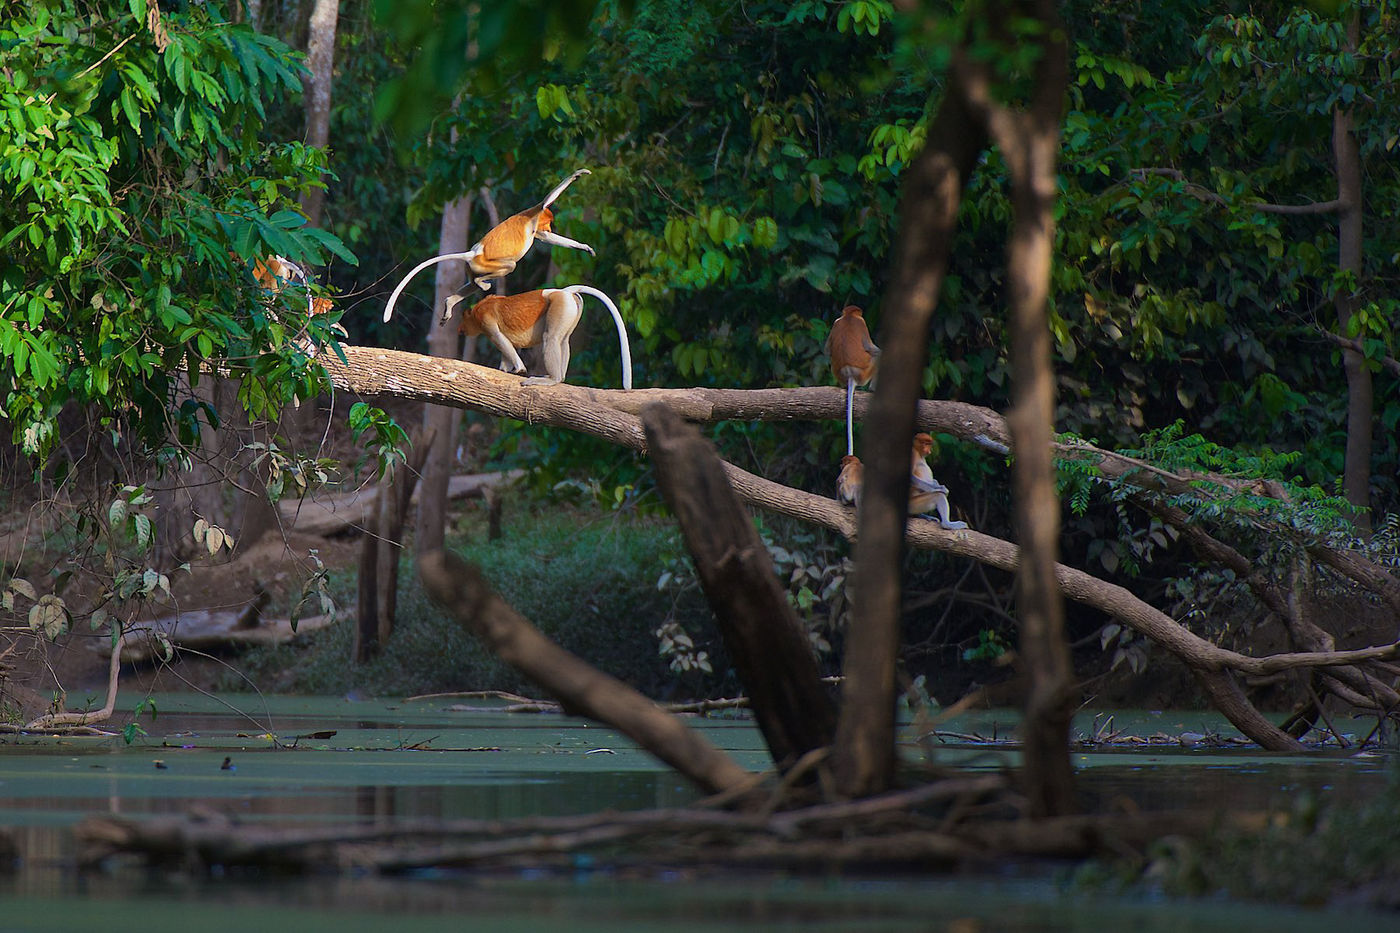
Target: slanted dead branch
<point>580,688</point>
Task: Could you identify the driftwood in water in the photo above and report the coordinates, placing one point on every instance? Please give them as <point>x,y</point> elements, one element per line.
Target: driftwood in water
<point>923,826</point>
<point>762,634</point>
<point>580,688</point>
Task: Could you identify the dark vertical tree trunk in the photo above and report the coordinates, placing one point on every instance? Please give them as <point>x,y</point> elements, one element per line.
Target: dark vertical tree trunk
<point>1029,144</point>
<point>379,557</point>
<point>1356,476</point>
<point>863,755</point>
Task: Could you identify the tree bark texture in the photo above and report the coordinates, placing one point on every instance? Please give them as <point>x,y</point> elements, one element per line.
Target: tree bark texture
<point>582,690</point>
<point>320,61</point>
<point>1356,471</point>
<point>442,420</point>
<point>762,634</point>
<point>1028,140</point>
<point>863,756</point>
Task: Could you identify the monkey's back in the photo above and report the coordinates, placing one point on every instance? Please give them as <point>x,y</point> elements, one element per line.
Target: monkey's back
<point>511,238</point>
<point>520,317</point>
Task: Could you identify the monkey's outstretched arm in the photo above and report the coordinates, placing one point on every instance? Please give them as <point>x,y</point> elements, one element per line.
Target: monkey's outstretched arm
<point>467,257</point>
<point>559,188</point>
<point>556,239</point>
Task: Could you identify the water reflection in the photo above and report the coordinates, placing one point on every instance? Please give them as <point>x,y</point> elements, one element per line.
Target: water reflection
<point>394,763</point>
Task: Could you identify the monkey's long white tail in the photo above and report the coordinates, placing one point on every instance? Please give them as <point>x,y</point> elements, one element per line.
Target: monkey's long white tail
<point>393,298</point>
<point>621,328</point>
<point>850,406</point>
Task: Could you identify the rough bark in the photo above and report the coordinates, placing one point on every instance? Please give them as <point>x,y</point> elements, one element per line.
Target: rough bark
<point>761,633</point>
<point>582,690</point>
<point>863,756</point>
<point>1028,140</point>
<point>320,61</point>
<point>430,526</point>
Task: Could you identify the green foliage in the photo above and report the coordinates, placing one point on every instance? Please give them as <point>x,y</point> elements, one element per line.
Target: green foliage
<point>586,581</point>
<point>137,192</point>
<point>990,646</point>
<point>388,442</point>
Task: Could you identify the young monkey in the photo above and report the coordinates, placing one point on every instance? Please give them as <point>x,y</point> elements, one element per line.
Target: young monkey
<point>927,494</point>
<point>503,246</point>
<point>544,317</point>
<point>853,359</point>
<point>849,481</point>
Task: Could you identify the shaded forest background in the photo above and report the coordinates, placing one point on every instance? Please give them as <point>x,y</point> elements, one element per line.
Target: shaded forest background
<point>1212,308</point>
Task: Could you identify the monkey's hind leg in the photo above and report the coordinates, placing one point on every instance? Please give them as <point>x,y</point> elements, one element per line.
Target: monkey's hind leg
<point>508,352</point>
<point>450,303</point>
<point>940,503</point>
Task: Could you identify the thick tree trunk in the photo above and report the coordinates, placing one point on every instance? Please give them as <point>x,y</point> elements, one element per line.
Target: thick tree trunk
<point>1029,144</point>
<point>863,756</point>
<point>430,527</point>
<point>762,635</point>
<point>1356,476</point>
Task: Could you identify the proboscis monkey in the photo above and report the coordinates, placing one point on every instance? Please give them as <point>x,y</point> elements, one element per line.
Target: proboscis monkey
<point>502,247</point>
<point>853,359</point>
<point>927,494</point>
<point>849,481</point>
<point>274,272</point>
<point>546,317</point>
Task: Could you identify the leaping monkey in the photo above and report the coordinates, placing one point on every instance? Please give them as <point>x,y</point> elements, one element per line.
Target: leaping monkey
<point>503,246</point>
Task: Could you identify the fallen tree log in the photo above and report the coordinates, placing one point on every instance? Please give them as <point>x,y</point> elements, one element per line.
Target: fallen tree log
<point>327,514</point>
<point>605,413</point>
<point>760,630</point>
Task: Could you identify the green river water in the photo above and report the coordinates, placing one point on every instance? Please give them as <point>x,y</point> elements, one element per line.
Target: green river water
<point>391,761</point>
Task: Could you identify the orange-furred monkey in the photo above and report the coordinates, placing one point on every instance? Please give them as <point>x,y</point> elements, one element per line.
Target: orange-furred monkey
<point>547,317</point>
<point>927,494</point>
<point>849,481</point>
<point>502,247</point>
<point>853,359</point>
<point>274,272</point>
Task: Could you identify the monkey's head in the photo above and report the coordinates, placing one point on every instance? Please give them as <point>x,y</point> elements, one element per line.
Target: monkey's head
<point>923,444</point>
<point>545,220</point>
<point>852,311</point>
<point>848,461</point>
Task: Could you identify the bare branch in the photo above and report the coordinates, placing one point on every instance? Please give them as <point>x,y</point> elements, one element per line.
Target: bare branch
<point>1205,194</point>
